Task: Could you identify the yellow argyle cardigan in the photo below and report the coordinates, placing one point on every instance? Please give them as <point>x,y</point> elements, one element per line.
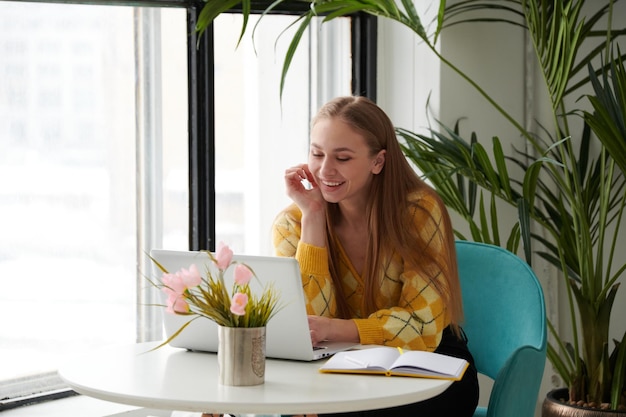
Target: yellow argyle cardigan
<point>414,316</point>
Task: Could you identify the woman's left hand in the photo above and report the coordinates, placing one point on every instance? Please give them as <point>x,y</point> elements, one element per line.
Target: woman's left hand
<point>319,328</point>
<point>337,330</point>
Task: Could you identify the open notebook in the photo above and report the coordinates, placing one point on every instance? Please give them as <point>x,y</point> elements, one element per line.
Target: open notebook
<point>287,334</point>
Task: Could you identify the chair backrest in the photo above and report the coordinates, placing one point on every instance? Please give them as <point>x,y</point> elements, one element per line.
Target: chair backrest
<point>505,322</point>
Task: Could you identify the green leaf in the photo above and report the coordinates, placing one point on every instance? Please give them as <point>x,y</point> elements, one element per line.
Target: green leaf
<point>174,335</point>
<point>523,214</point>
<point>608,120</point>
<point>495,230</point>
<point>484,223</point>
<point>503,173</point>
<point>293,46</point>
<point>531,177</point>
<point>619,377</point>
<point>211,10</point>
<point>441,14</point>
<point>512,243</point>
<point>485,165</point>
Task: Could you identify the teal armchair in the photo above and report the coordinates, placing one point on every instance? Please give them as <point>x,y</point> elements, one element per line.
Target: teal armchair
<point>505,322</point>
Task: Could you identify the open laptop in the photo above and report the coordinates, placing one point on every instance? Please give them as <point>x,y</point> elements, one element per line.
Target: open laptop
<point>287,335</point>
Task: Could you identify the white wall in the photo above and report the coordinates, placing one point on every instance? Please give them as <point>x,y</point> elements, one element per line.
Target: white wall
<point>495,56</point>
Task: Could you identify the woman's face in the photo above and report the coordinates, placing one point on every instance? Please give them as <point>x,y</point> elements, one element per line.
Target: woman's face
<point>340,161</point>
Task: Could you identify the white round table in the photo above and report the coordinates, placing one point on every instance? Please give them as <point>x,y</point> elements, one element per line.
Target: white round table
<point>175,379</point>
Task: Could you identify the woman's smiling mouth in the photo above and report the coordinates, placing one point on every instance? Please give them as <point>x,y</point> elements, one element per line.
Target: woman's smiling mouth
<point>332,183</point>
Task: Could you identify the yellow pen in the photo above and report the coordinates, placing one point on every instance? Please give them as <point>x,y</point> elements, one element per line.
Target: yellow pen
<point>400,350</point>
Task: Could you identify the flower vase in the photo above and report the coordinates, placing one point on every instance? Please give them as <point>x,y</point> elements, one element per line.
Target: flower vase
<point>241,355</point>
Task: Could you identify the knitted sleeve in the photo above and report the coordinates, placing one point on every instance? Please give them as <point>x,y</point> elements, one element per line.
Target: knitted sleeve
<point>313,260</point>
<point>419,316</point>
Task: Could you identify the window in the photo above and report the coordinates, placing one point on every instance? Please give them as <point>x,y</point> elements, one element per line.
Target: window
<point>257,135</point>
<point>94,156</point>
<point>69,153</point>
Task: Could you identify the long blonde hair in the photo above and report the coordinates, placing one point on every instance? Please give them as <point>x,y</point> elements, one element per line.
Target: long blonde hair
<point>388,210</point>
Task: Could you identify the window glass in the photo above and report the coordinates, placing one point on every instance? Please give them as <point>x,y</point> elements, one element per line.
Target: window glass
<point>69,160</point>
<point>258,134</point>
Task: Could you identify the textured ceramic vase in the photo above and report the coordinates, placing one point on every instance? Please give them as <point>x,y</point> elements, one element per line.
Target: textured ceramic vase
<point>241,355</point>
<point>554,407</point>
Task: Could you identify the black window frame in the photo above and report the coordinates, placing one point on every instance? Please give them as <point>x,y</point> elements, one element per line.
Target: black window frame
<point>202,117</point>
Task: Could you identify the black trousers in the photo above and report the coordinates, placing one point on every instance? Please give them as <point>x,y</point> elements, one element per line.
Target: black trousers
<point>459,400</point>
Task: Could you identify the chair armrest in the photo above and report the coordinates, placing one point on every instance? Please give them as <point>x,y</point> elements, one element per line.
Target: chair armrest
<point>515,390</point>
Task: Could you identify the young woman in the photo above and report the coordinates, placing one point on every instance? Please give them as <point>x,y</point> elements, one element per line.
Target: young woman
<point>375,247</point>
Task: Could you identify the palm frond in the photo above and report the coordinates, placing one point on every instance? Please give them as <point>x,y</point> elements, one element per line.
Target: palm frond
<point>608,119</point>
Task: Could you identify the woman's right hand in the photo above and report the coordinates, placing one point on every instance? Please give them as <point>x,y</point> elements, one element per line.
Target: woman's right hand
<point>308,198</point>
<point>310,202</point>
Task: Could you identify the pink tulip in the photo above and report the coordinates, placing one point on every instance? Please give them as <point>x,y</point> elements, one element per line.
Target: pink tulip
<point>238,304</point>
<point>176,303</point>
<point>180,281</point>
<point>224,255</point>
<point>174,282</point>
<point>243,275</point>
<point>191,277</point>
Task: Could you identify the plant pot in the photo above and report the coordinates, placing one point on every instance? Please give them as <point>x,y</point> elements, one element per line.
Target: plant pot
<point>554,406</point>
<point>241,355</point>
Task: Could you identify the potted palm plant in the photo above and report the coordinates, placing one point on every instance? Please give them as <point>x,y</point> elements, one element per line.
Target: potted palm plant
<point>570,194</point>
<point>574,200</point>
